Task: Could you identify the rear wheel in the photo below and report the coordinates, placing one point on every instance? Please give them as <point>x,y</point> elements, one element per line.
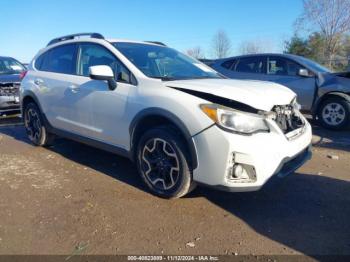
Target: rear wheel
<point>334,113</point>
<point>35,128</point>
<point>162,163</point>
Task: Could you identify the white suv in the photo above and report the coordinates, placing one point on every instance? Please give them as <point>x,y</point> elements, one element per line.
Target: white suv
<point>180,121</point>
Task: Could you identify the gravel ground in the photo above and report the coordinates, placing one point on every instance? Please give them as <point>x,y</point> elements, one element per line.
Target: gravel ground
<point>74,199</point>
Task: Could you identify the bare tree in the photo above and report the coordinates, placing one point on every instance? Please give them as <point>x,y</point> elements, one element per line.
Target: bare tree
<point>195,52</point>
<point>221,44</point>
<point>332,17</point>
<point>253,47</point>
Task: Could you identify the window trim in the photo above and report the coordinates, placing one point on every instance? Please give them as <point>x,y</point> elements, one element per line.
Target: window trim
<point>132,76</point>
<point>47,52</point>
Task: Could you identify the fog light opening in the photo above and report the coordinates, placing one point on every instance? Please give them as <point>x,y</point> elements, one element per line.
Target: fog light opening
<point>242,173</point>
<point>239,172</point>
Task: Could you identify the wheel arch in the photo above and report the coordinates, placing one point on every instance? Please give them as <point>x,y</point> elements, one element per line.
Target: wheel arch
<point>153,117</point>
<point>27,97</point>
<point>346,96</point>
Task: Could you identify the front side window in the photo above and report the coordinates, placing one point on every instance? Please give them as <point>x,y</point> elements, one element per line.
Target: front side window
<point>9,66</point>
<point>315,67</point>
<point>61,59</point>
<point>93,54</point>
<point>255,65</point>
<point>282,66</point>
<point>163,62</point>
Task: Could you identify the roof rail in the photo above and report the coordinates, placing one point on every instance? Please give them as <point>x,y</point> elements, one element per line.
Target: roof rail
<point>69,37</point>
<point>156,42</point>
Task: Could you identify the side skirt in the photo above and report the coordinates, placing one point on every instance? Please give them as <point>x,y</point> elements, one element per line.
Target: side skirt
<point>91,142</point>
<point>88,141</point>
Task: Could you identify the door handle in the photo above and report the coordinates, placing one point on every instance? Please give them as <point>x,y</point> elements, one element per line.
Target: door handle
<point>74,88</point>
<point>38,82</point>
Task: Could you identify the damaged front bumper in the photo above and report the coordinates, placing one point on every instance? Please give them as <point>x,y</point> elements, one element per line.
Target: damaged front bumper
<point>263,155</point>
<point>9,98</point>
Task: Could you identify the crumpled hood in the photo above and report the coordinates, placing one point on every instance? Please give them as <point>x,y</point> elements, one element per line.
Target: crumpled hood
<point>257,94</point>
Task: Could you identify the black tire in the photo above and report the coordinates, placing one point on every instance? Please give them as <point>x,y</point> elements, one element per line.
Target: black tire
<point>334,113</point>
<point>35,126</point>
<point>163,163</point>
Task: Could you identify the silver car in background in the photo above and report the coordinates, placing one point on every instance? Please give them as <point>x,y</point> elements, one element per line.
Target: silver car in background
<point>323,93</point>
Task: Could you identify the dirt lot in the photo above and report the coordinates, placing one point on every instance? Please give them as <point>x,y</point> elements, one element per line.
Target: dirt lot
<point>71,199</point>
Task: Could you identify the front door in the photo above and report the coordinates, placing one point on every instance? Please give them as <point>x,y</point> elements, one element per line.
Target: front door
<point>286,72</point>
<point>106,109</point>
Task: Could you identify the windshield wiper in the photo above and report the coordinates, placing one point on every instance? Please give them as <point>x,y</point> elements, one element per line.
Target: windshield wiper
<point>164,78</point>
<point>167,78</point>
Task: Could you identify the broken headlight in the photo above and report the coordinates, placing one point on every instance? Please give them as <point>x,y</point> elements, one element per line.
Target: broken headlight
<point>235,121</point>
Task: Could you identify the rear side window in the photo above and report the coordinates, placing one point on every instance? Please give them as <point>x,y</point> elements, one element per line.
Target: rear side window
<point>61,59</point>
<point>229,64</point>
<point>255,65</point>
<point>39,61</point>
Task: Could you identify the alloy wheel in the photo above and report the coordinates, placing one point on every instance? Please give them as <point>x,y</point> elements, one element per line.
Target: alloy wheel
<point>33,124</point>
<point>160,164</point>
<point>333,114</point>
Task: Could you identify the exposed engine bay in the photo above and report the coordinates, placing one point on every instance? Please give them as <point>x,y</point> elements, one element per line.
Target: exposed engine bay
<point>287,118</point>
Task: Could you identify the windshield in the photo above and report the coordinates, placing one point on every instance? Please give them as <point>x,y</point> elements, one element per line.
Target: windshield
<point>9,66</point>
<point>314,66</point>
<point>164,63</point>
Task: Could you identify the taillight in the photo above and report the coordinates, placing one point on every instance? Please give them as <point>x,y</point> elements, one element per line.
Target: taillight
<point>22,74</point>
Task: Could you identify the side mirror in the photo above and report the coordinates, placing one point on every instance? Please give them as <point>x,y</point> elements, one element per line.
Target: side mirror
<point>105,73</point>
<point>304,72</point>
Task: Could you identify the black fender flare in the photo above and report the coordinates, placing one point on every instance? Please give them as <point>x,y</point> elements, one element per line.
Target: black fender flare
<point>172,118</point>
<point>31,94</point>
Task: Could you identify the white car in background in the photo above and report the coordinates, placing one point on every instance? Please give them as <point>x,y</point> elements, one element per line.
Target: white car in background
<point>180,121</point>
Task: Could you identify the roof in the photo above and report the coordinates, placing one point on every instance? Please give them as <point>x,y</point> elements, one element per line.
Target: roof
<point>263,54</point>
<point>116,40</point>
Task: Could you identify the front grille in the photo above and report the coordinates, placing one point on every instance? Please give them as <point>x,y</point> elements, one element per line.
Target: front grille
<point>9,89</point>
<point>287,118</point>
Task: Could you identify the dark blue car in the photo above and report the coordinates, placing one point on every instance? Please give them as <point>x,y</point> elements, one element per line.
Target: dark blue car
<point>10,78</point>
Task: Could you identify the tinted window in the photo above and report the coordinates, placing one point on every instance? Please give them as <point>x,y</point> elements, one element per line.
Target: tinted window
<point>314,66</point>
<point>282,66</point>
<point>92,55</point>
<point>251,65</point>
<point>61,59</point>
<point>39,61</point>
<point>228,64</point>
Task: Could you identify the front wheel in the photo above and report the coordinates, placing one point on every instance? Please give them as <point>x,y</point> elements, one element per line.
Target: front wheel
<point>162,163</point>
<point>334,113</point>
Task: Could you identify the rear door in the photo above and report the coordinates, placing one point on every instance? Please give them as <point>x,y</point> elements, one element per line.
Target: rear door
<point>286,72</point>
<point>252,67</point>
<point>54,77</point>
